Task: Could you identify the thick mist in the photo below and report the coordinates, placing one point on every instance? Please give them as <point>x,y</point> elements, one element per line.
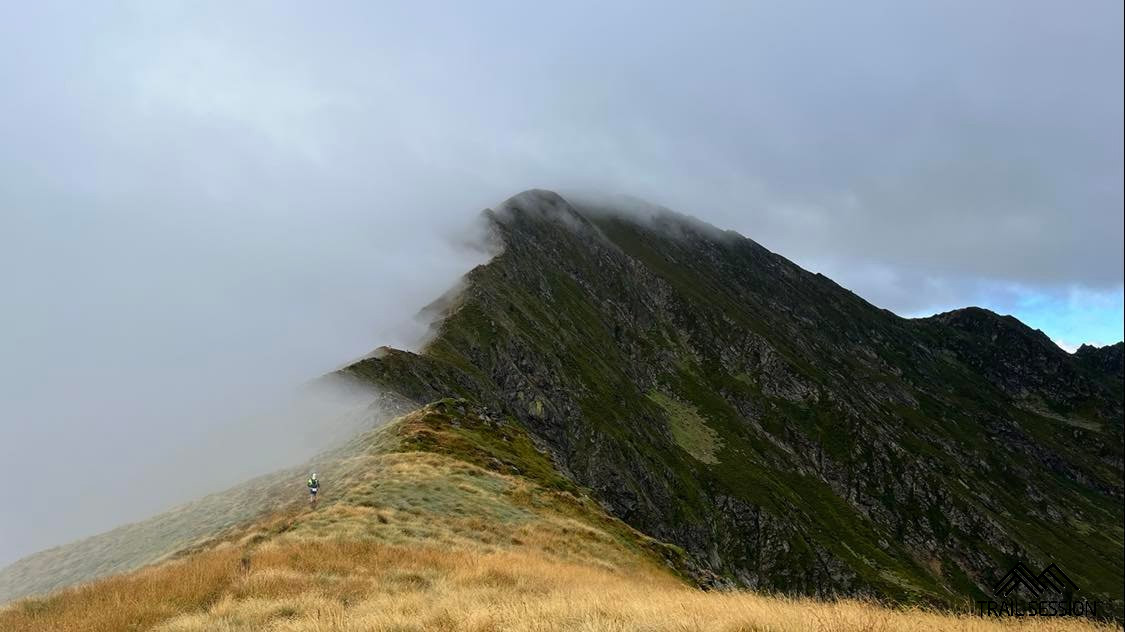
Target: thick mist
<point>151,386</point>
<point>205,205</point>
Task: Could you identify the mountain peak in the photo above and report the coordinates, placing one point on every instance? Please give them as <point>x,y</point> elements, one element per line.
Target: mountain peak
<point>535,205</point>
<point>1108,360</point>
<point>718,397</point>
<point>700,401</point>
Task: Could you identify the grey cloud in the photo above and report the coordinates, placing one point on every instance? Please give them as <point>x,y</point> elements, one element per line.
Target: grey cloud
<point>204,204</point>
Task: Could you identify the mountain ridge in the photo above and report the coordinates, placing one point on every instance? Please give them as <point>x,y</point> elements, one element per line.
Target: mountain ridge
<point>779,430</point>
<point>681,312</point>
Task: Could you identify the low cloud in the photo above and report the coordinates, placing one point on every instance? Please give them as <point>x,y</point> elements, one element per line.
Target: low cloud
<point>207,204</point>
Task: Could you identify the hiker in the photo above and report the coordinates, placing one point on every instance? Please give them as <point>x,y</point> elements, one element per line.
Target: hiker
<point>314,485</point>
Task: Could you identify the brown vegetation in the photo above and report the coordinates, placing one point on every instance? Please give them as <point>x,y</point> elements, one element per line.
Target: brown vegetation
<point>294,584</point>
<point>410,540</point>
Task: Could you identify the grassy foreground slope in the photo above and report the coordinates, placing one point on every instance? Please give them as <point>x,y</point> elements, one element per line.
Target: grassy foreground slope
<point>340,409</point>
<point>447,519</point>
<point>146,542</point>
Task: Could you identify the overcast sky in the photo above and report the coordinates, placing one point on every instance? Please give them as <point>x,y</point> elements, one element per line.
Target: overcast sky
<point>203,204</point>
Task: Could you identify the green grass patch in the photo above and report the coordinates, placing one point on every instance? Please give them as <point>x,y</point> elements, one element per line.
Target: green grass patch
<point>689,428</point>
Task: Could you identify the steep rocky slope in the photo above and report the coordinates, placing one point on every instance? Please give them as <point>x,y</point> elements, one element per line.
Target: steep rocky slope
<point>786,434</point>
<point>1108,361</point>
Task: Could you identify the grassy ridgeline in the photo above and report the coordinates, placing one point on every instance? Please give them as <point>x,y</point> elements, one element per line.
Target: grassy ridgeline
<point>445,520</point>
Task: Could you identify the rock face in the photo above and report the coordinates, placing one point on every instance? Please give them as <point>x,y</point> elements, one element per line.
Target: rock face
<point>1108,361</point>
<point>785,433</point>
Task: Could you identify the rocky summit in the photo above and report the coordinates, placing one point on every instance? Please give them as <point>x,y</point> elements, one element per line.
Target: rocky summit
<point>782,432</point>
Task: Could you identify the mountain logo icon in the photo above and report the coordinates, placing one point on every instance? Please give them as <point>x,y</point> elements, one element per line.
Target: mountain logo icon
<point>1051,579</point>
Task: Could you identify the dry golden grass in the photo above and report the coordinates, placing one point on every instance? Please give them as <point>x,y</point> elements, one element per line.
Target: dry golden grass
<point>418,541</point>
<point>134,601</point>
<point>294,585</point>
<point>387,589</point>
